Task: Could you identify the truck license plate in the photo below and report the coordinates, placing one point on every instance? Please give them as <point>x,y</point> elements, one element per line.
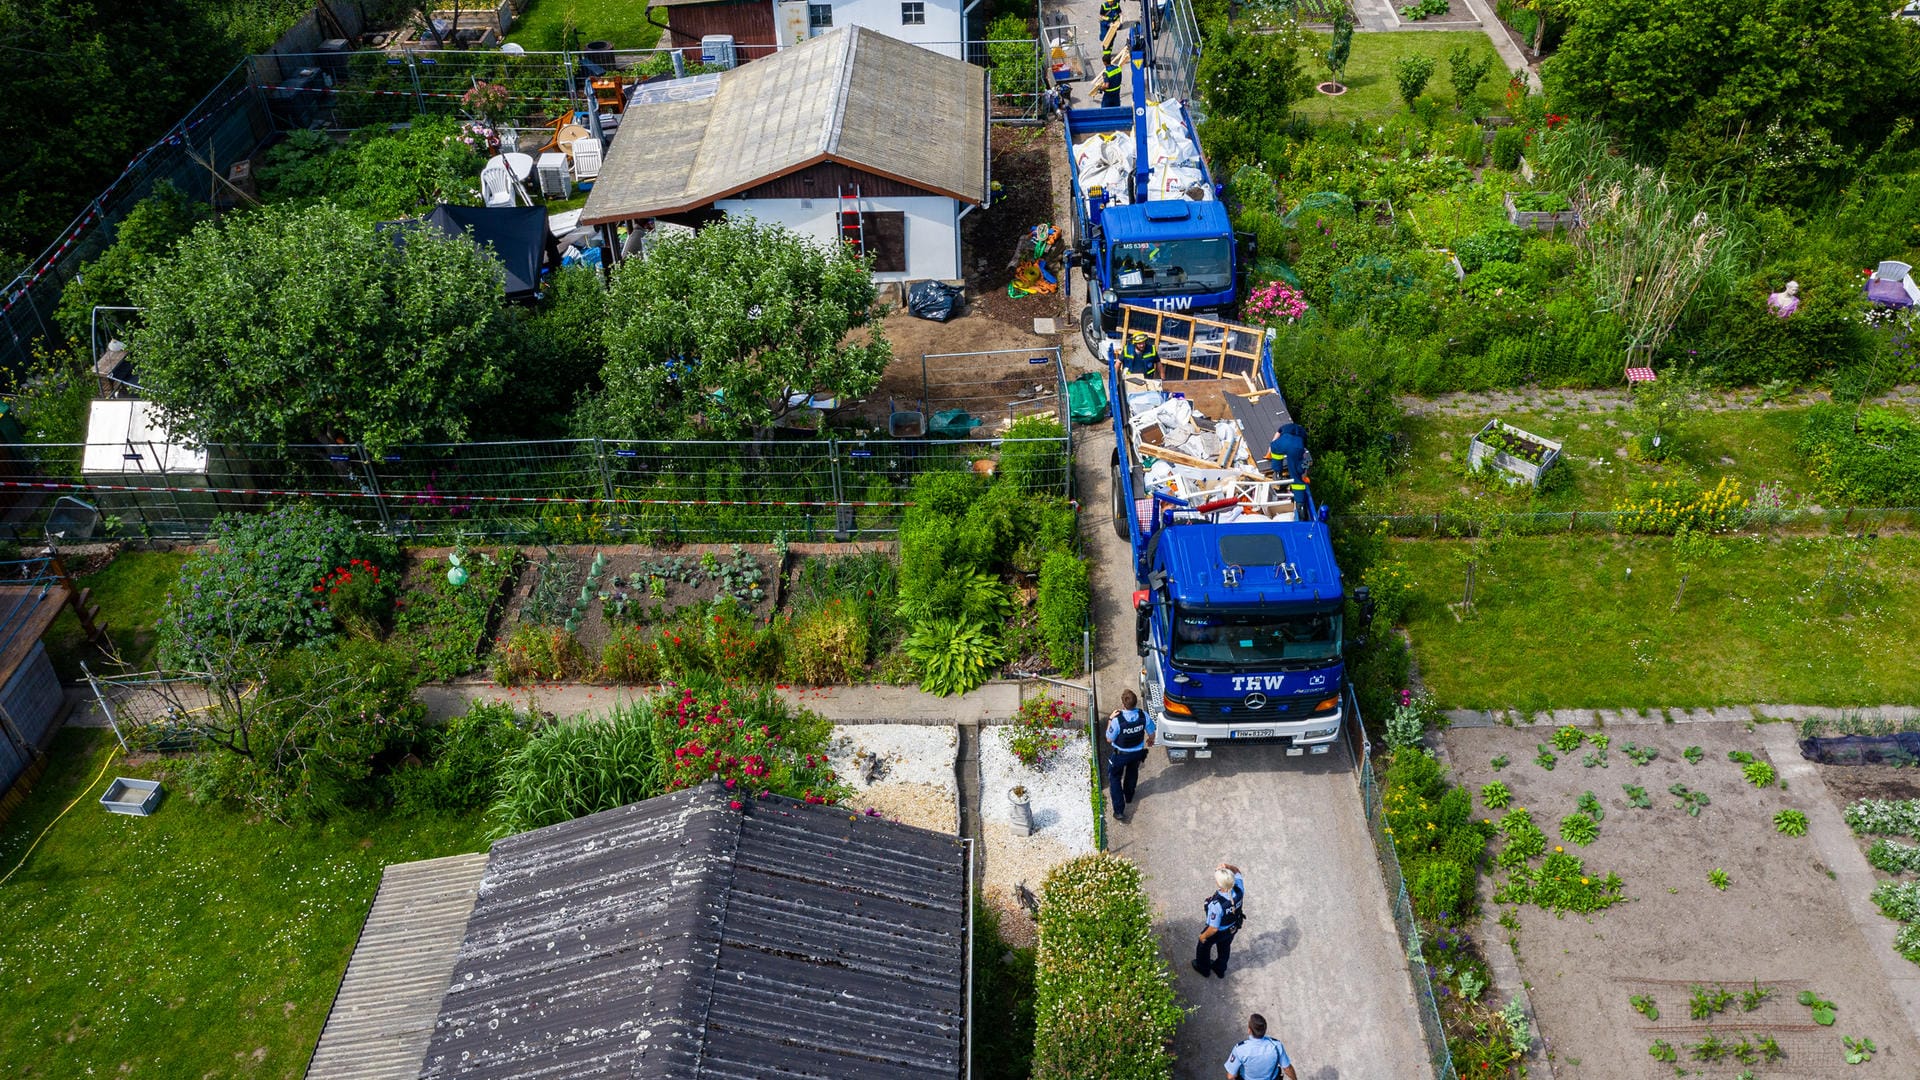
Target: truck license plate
<point>1249,734</point>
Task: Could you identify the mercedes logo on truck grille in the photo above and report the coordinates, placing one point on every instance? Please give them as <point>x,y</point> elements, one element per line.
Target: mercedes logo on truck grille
<point>1256,701</point>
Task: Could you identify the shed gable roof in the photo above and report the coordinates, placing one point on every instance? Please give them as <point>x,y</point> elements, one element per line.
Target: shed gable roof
<point>679,938</point>
<point>853,95</point>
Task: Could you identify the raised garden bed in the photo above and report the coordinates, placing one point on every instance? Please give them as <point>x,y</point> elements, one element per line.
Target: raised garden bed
<point>1541,211</point>
<point>1521,453</point>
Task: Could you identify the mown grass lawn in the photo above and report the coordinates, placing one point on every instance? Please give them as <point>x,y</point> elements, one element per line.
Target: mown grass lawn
<point>1369,76</point>
<point>623,22</point>
<point>197,942</point>
<point>1754,446</point>
<point>130,591</point>
<point>1560,623</point>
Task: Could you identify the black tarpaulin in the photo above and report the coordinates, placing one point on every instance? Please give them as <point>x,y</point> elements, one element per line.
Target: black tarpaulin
<point>517,236</point>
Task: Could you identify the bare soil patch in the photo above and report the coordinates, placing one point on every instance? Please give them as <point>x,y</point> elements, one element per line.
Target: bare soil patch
<point>1782,922</point>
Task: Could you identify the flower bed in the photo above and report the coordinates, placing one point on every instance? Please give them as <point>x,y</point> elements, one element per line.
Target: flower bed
<point>1104,1002</point>
<point>443,626</point>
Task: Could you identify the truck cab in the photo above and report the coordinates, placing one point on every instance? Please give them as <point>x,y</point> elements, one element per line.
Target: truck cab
<point>1154,236</point>
<point>1239,610</point>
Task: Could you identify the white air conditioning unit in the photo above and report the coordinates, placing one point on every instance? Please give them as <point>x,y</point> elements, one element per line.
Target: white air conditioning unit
<point>552,171</point>
<point>716,50</point>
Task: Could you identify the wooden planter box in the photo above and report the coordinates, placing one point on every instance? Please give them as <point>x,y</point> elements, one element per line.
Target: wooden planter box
<point>1480,453</point>
<point>1541,220</point>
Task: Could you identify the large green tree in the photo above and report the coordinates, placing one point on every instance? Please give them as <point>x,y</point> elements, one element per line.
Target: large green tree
<point>714,332</point>
<point>1713,81</point>
<point>297,324</point>
<point>1252,76</point>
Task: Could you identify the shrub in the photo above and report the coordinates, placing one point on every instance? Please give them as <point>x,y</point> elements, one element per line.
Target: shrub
<point>1035,734</point>
<point>254,584</point>
<point>720,638</point>
<point>537,654</point>
<point>462,770</point>
<point>1035,467</point>
<point>1868,457</point>
<point>1466,70</point>
<point>1014,62</point>
<point>953,656</point>
<point>1410,75</point>
<point>1508,144</point>
<point>631,656</point>
<point>1064,597</point>
<point>443,626</point>
<point>1664,507</point>
<point>1103,996</point>
<point>357,598</point>
<point>826,645</point>
<point>751,740</point>
<point>1438,887</point>
<point>1432,824</point>
<point>313,733</point>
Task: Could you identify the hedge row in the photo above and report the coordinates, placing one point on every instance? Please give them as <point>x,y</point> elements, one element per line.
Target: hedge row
<point>1103,996</point>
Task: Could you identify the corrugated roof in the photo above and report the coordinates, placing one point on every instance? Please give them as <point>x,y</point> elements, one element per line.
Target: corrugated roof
<point>853,96</point>
<point>679,939</point>
<point>383,1015</point>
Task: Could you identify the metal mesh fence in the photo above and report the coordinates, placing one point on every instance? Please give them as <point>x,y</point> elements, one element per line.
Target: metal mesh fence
<point>1440,523</point>
<point>1431,1025</point>
<point>555,491</point>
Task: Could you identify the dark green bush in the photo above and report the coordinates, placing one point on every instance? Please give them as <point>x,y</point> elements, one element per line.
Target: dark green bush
<point>1751,346</point>
<point>1064,597</point>
<point>1339,385</point>
<point>463,760</point>
<point>257,582</point>
<point>1035,467</point>
<point>1103,997</point>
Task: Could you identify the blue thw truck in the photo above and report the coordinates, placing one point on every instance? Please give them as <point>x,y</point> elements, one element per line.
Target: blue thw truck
<point>1240,611</point>
<point>1149,227</point>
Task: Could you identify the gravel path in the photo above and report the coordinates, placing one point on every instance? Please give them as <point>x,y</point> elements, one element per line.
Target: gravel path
<point>1062,816</point>
<point>915,785</point>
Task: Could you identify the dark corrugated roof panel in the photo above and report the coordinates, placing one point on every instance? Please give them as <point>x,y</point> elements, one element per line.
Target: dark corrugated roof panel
<point>679,939</point>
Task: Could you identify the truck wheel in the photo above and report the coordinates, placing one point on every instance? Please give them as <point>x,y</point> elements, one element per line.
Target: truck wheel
<point>1090,329</point>
<point>1120,508</point>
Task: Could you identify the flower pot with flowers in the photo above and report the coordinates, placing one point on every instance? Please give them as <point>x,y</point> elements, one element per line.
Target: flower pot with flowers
<point>486,102</point>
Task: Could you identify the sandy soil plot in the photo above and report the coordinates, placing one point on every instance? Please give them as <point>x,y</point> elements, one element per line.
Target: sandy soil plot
<point>915,784</point>
<point>1783,921</point>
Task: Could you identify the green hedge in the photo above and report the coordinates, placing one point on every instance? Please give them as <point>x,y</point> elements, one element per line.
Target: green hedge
<point>1104,1003</point>
<point>1866,457</point>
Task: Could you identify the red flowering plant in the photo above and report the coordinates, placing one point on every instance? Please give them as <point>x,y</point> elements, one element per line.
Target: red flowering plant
<point>1039,730</point>
<point>755,748</point>
<point>357,596</point>
<point>723,639</point>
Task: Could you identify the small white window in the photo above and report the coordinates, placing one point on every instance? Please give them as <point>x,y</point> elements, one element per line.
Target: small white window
<point>819,16</point>
<point>913,13</point>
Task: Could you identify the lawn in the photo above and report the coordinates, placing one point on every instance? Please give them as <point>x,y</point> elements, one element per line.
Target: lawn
<point>197,942</point>
<point>623,22</point>
<point>129,591</point>
<point>1754,446</point>
<point>1561,623</point>
<point>1369,76</point>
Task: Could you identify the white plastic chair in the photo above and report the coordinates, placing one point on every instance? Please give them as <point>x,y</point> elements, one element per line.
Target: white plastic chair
<point>496,183</point>
<point>1893,270</point>
<point>586,158</point>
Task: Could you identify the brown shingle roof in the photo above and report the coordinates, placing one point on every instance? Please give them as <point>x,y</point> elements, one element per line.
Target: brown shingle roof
<point>853,96</point>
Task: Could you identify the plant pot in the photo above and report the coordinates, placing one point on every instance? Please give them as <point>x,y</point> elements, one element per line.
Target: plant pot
<point>1541,220</point>
<point>1022,823</point>
<point>1537,456</point>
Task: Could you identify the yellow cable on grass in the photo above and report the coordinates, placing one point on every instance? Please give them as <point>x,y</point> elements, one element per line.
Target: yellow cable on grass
<point>76,802</point>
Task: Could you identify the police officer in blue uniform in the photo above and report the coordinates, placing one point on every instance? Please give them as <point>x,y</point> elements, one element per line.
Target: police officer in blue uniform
<point>1129,734</point>
<point>1258,1057</point>
<point>1224,916</point>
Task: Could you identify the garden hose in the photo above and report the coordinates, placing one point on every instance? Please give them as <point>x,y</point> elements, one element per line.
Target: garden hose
<point>76,802</point>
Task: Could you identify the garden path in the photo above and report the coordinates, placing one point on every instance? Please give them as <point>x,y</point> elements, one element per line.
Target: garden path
<point>840,704</point>
<point>1611,399</point>
<point>1320,957</point>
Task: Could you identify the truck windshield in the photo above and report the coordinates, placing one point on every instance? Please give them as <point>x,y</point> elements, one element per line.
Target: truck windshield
<point>1176,266</point>
<point>1253,638</point>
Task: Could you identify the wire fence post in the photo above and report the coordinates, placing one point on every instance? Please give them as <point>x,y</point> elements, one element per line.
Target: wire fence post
<point>371,479</point>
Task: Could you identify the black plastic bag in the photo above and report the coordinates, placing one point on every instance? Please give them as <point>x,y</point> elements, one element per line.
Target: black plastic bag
<point>935,300</point>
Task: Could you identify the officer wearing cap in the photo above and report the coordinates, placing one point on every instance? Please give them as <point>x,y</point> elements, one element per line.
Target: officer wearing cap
<point>1258,1057</point>
<point>1140,355</point>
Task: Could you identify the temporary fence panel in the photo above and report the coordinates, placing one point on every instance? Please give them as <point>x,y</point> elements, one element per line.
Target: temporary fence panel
<point>1431,1026</point>
<point>558,491</point>
<point>1176,50</point>
<point>1015,76</point>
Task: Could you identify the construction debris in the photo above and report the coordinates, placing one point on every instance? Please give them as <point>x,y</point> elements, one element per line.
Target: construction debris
<point>1200,458</point>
